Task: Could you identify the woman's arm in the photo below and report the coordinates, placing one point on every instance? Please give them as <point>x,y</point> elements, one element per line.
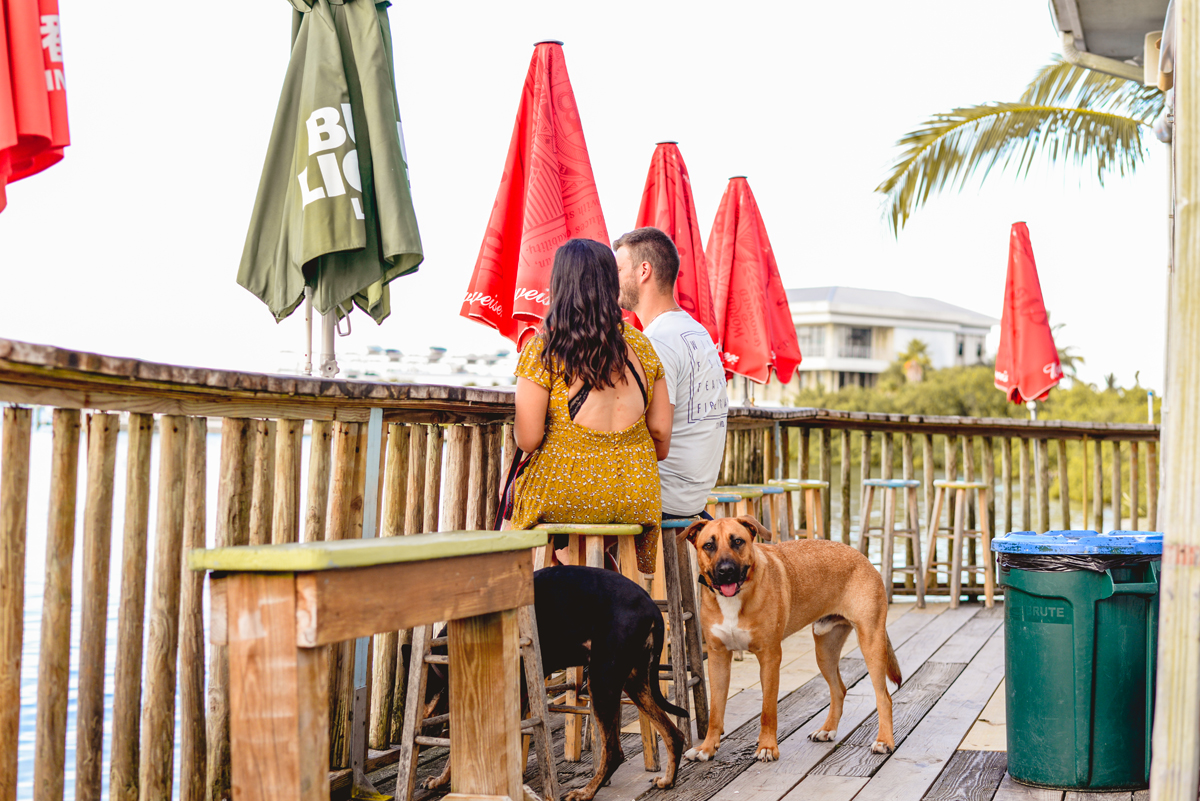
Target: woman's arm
<point>532,402</point>
<point>659,418</point>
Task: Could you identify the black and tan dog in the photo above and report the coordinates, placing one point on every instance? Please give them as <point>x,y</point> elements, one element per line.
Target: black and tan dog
<point>603,621</point>
<point>757,594</point>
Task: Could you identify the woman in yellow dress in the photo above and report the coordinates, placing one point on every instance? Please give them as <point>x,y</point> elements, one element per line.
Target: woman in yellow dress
<point>592,407</point>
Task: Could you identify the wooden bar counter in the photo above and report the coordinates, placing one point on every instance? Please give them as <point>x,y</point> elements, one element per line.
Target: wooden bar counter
<point>277,606</point>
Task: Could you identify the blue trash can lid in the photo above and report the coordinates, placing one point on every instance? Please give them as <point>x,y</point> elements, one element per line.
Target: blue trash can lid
<point>1113,543</point>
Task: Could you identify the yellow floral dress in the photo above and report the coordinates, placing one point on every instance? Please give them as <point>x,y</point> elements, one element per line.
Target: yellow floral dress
<point>581,475</point>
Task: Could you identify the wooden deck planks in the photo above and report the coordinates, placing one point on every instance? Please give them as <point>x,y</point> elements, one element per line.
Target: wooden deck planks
<point>630,781</point>
<point>970,776</point>
<point>1010,790</point>
<point>917,763</point>
<point>910,704</point>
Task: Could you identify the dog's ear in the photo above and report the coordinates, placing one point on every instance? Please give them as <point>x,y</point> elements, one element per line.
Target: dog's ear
<point>755,528</point>
<point>691,531</point>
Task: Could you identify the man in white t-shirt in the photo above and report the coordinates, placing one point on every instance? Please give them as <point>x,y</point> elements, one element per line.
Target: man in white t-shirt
<point>648,264</point>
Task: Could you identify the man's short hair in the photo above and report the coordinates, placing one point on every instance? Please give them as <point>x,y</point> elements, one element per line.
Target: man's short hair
<point>652,245</point>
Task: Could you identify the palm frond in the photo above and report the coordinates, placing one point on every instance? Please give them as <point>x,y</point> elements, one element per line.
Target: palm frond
<point>950,148</point>
<point>1066,113</point>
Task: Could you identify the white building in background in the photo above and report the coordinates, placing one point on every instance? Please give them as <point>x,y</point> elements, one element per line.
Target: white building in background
<point>849,336</point>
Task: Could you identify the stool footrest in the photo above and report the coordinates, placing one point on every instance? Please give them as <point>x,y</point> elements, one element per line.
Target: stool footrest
<point>432,742</point>
<point>570,710</point>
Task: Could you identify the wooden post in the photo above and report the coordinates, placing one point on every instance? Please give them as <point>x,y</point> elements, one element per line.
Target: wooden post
<point>458,478</point>
<point>1006,479</point>
<point>320,445</point>
<point>477,480</point>
<point>1026,495</point>
<point>1133,485</point>
<point>865,473</point>
<point>1083,483</point>
<point>804,454</point>
<point>97,546</point>
<point>989,478</point>
<point>274,685</point>
<point>192,741</point>
<point>1098,488</point>
<point>496,467</point>
<point>232,528</point>
<point>387,644</point>
<point>1152,485</point>
<point>433,477</point>
<point>483,650</point>
<point>285,518</point>
<point>888,456</point>
<point>345,505</point>
<point>414,518</point>
<point>1043,484</point>
<point>158,714</point>
<point>971,556</point>
<point>1064,484</point>
<point>951,502</point>
<point>827,475</point>
<point>1176,758</point>
<point>847,458</point>
<point>14,507</point>
<point>55,654</point>
<point>929,470</point>
<point>1116,484</point>
<point>261,504</point>
<point>910,514</point>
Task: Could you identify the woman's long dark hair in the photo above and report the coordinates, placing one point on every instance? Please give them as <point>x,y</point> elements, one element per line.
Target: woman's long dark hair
<point>583,337</point>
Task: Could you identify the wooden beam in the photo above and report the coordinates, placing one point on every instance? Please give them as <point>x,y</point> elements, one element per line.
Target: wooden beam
<point>1064,484</point>
<point>339,605</point>
<point>193,737</point>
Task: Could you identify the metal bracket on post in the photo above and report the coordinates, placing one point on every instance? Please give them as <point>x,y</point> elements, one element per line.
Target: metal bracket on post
<point>361,787</point>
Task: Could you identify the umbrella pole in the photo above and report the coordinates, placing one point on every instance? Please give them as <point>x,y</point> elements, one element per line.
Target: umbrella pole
<point>1032,407</point>
<point>329,365</point>
<point>308,330</point>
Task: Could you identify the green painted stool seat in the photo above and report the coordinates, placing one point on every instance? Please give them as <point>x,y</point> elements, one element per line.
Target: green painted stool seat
<point>793,484</point>
<point>747,492</point>
<point>302,557</point>
<point>591,529</point>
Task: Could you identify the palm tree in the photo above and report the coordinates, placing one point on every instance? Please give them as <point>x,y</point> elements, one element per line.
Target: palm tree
<point>1066,112</point>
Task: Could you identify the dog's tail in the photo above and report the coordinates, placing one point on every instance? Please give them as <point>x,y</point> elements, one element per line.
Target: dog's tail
<point>893,667</point>
<point>656,647</point>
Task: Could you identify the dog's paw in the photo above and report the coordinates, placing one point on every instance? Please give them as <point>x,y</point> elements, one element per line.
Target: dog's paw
<point>662,782</point>
<point>880,747</point>
<point>579,795</point>
<point>822,736</point>
<point>697,755</point>
<point>769,754</point>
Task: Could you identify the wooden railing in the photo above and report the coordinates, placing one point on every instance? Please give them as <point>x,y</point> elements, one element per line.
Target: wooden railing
<point>439,470</point>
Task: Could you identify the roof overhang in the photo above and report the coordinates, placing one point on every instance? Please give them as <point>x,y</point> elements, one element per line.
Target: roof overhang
<point>1113,29</point>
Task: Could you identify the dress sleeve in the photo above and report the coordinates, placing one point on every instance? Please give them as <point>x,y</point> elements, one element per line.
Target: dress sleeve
<point>530,365</point>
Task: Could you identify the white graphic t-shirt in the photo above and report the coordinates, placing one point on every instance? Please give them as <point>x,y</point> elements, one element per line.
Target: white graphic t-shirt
<point>696,386</point>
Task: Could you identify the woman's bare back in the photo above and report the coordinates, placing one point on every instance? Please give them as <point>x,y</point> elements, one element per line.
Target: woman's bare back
<point>613,408</point>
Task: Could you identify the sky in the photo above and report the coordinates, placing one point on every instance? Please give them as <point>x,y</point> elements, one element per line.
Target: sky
<point>130,246</point>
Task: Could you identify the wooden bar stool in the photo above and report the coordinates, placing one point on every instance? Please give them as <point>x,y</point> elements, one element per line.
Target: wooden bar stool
<point>686,663</point>
<point>585,546</point>
<point>888,531</point>
<point>277,607</point>
<point>751,502</point>
<point>814,505</point>
<point>723,504</point>
<point>976,492</point>
<point>774,502</point>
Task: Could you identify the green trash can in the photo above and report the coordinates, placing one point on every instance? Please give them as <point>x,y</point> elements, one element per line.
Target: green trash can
<point>1080,637</point>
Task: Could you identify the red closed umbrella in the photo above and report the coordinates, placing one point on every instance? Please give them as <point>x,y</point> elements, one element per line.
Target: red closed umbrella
<point>667,205</point>
<point>754,322</point>
<point>33,97</point>
<point>547,195</point>
<point>1027,363</point>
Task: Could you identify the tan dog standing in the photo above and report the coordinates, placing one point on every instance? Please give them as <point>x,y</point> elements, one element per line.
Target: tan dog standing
<point>756,594</point>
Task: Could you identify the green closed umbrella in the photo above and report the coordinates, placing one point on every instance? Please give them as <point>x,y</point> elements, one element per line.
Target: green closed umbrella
<point>334,212</point>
